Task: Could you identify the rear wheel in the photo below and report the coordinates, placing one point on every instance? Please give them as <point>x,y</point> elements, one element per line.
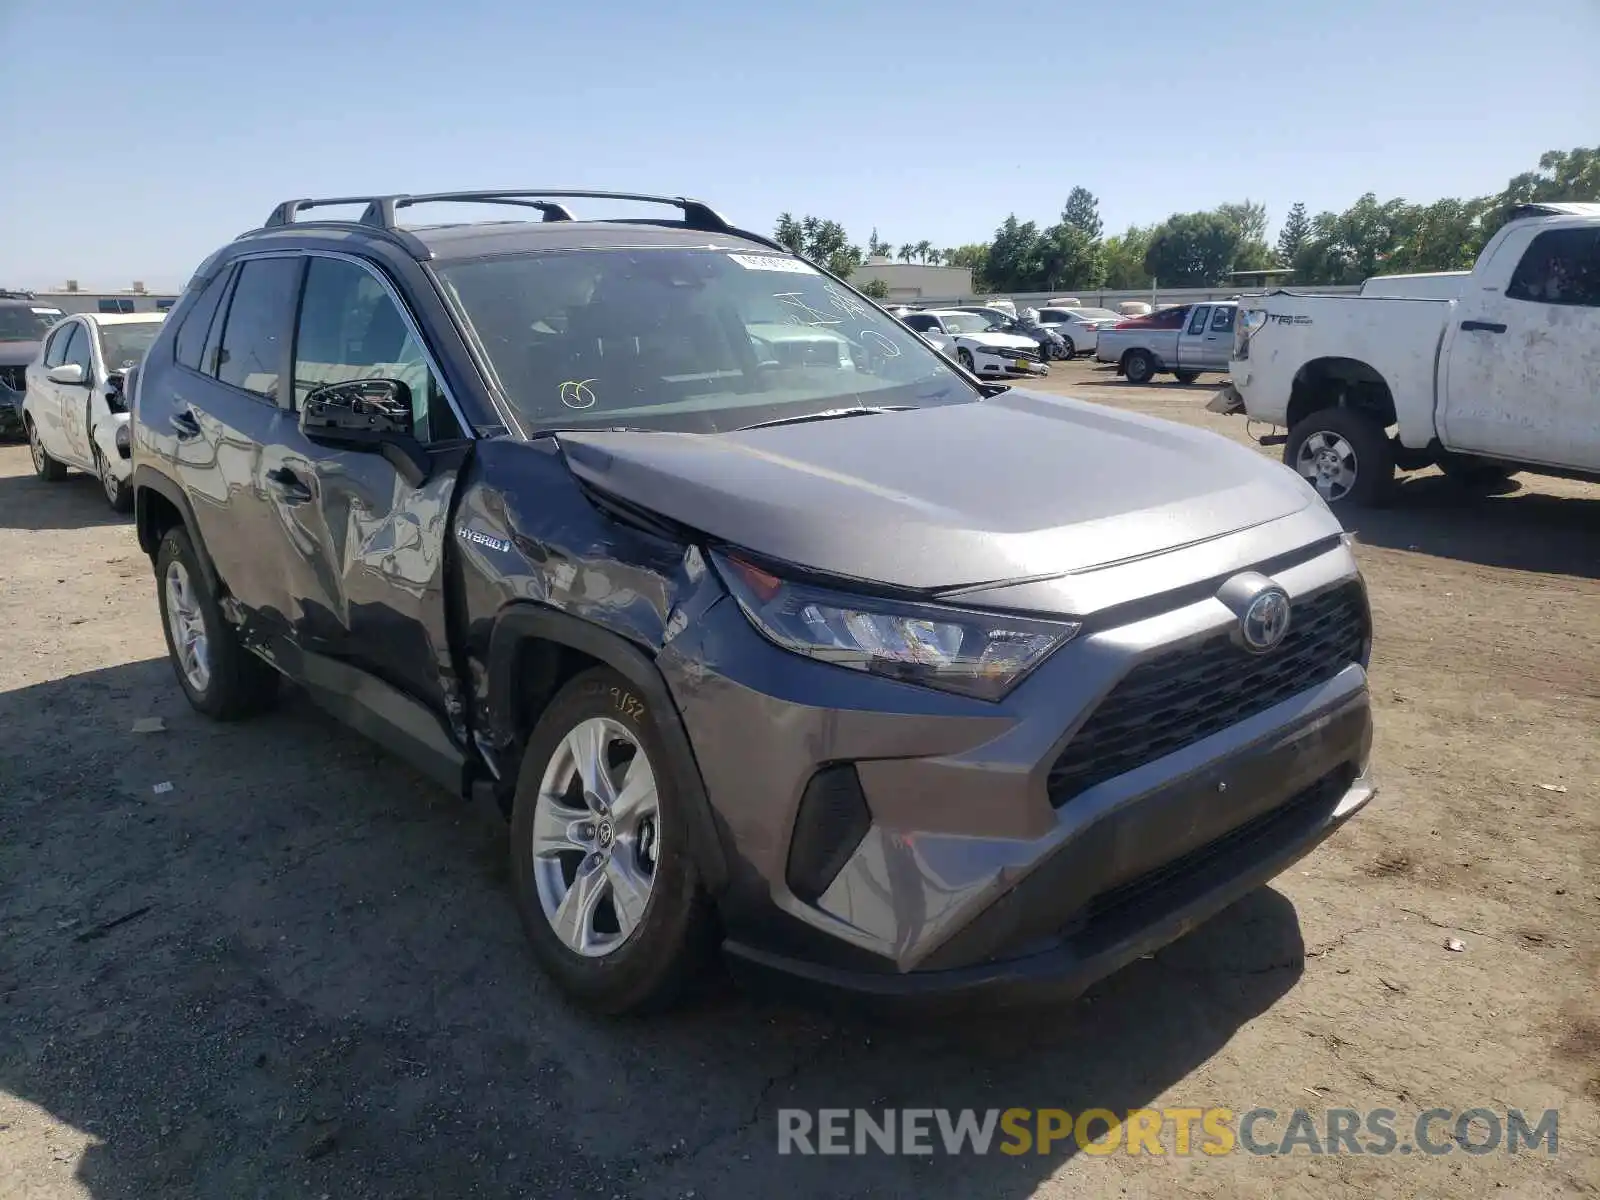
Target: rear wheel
<point>221,678</point>
<point>1139,366</point>
<point>1187,377</point>
<point>600,860</point>
<point>1343,453</point>
<point>44,466</point>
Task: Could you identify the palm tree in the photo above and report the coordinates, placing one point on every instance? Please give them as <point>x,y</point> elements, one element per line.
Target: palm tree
<point>936,257</point>
<point>907,252</point>
<point>924,248</point>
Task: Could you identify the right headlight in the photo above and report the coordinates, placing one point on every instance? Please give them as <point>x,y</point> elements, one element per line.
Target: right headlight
<point>973,653</point>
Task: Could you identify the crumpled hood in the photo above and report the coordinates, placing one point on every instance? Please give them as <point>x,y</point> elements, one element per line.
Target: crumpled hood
<point>17,354</point>
<point>1019,486</point>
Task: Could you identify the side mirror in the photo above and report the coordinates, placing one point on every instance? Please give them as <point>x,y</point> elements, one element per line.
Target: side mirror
<point>70,374</point>
<point>367,414</point>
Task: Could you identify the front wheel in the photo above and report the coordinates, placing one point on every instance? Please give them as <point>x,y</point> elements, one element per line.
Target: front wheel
<point>604,876</point>
<point>964,357</point>
<point>1139,366</point>
<point>1071,348</point>
<point>44,466</point>
<point>1343,453</point>
<point>118,494</point>
<point>1187,377</point>
<point>1476,474</point>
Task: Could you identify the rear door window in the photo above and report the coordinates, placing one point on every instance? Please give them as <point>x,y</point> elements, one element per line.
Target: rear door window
<point>1197,324</point>
<point>255,336</point>
<point>1561,266</point>
<point>1222,322</point>
<point>191,342</point>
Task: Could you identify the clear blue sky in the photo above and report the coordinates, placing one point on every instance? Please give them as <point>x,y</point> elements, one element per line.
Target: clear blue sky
<point>139,135</point>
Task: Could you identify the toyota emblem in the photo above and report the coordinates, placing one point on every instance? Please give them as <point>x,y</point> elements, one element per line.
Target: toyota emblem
<point>1265,621</point>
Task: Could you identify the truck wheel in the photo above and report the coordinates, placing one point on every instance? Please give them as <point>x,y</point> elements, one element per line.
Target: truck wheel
<point>221,678</point>
<point>1187,377</point>
<point>605,881</point>
<point>44,466</point>
<point>1343,453</point>
<point>1138,366</point>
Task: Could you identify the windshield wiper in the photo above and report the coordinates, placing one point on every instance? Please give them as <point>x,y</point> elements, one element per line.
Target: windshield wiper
<point>553,430</point>
<point>828,414</point>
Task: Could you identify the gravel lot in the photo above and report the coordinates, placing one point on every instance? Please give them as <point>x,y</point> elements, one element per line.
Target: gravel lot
<point>298,971</point>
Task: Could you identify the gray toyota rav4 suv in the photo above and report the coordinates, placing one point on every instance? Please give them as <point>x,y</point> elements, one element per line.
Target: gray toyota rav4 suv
<point>765,626</point>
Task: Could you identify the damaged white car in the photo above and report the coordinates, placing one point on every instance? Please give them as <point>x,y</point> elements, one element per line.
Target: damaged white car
<point>75,412</point>
<point>966,337</point>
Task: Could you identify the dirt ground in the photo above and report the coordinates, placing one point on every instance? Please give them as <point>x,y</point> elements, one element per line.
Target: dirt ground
<point>297,971</point>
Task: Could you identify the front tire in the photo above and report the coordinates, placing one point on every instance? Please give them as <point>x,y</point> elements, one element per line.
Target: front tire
<point>1345,454</point>
<point>1476,474</point>
<point>222,679</point>
<point>118,494</point>
<point>604,876</point>
<point>1138,366</point>
<point>44,466</point>
<point>1187,377</point>
<point>964,357</point>
<point>1071,350</point>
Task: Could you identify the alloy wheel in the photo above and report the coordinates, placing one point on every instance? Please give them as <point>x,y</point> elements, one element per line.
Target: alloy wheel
<point>596,837</point>
<point>35,449</point>
<point>108,478</point>
<point>187,625</point>
<point>1328,462</point>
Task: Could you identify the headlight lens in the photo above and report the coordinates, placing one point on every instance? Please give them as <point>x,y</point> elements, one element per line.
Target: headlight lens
<point>972,653</point>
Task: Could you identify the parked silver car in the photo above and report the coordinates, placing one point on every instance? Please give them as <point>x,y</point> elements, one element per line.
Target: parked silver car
<point>1078,327</point>
<point>1185,339</point>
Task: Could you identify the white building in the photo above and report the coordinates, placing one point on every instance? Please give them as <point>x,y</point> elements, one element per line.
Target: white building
<point>914,281</point>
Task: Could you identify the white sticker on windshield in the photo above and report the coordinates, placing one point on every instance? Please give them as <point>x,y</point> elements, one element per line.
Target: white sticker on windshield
<point>48,312</point>
<point>773,262</point>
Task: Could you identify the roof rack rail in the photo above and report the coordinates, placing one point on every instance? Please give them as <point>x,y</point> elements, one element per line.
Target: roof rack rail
<point>380,211</point>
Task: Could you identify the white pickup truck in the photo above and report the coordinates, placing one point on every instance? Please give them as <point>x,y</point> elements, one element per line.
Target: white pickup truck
<point>1501,375</point>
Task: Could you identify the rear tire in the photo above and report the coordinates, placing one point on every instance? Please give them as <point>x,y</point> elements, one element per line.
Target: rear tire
<point>1139,366</point>
<point>615,952</point>
<point>1345,454</point>
<point>44,466</point>
<point>1187,377</point>
<point>220,677</point>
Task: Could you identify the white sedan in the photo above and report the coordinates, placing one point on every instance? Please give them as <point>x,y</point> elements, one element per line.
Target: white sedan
<point>964,337</point>
<point>76,409</point>
<point>1079,327</point>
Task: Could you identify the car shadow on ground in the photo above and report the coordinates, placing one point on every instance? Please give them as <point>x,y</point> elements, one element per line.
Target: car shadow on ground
<point>265,958</point>
<point>1524,529</point>
<point>76,502</point>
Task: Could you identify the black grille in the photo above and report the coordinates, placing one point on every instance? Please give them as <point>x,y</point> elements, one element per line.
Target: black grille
<point>15,378</point>
<point>1176,699</point>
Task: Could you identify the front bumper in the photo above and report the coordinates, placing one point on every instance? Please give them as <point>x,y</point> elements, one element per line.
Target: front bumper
<point>961,877</point>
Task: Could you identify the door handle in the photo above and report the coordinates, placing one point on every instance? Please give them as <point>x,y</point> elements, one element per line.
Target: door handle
<point>289,485</point>
<point>1483,327</point>
<point>185,424</point>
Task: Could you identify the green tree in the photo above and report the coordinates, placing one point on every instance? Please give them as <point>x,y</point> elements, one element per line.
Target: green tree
<point>1296,228</point>
<point>907,252</point>
<point>1562,175</point>
<point>876,288</point>
<point>1192,250</point>
<point>877,247</point>
<point>922,250</point>
<point>1014,263</point>
<point>1123,255</point>
<point>1069,260</point>
<point>1082,212</point>
<point>1350,246</point>
<point>819,241</point>
<point>975,258</point>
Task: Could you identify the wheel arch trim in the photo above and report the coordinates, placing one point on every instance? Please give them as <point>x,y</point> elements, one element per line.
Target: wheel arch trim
<point>147,479</point>
<point>524,620</point>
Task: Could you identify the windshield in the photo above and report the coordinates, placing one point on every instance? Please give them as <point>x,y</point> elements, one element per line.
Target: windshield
<point>26,322</point>
<point>124,346</point>
<point>696,340</point>
<point>1097,314</point>
<point>962,322</point>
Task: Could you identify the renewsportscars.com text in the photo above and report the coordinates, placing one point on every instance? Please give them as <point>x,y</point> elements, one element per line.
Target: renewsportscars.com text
<point>1178,1132</point>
